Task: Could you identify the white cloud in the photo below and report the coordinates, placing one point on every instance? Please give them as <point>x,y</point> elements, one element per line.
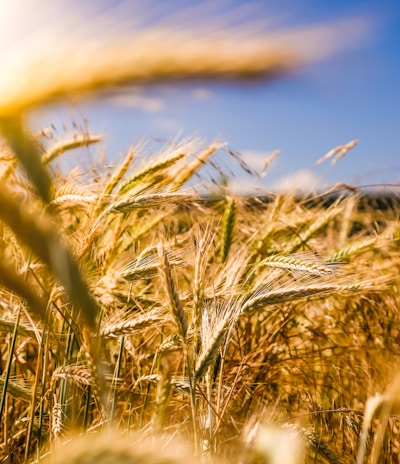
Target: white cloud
<point>201,93</point>
<point>247,186</point>
<point>303,181</point>
<point>150,104</point>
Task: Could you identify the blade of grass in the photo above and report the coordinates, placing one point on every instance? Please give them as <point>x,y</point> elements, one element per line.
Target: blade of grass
<point>9,364</point>
<point>28,152</point>
<point>39,233</point>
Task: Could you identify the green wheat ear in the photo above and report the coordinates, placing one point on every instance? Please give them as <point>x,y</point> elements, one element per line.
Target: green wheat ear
<point>228,228</point>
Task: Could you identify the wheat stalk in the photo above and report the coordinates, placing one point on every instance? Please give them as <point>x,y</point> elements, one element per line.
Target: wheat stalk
<point>119,173</point>
<point>28,152</point>
<point>338,152</point>
<point>130,326</point>
<point>75,141</point>
<point>174,301</point>
<point>47,72</point>
<point>17,391</point>
<point>352,250</point>
<point>214,334</point>
<point>295,264</point>
<point>163,396</point>
<point>149,171</point>
<point>56,420</point>
<point>266,297</point>
<point>127,205</point>
<point>71,200</point>
<point>316,225</point>
<point>228,225</point>
<point>78,374</point>
<point>147,264</point>
<point>183,175</point>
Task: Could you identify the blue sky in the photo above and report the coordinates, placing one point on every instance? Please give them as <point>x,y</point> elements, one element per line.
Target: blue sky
<point>351,95</point>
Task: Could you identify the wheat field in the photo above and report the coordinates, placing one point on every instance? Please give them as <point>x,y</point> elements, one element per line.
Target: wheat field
<point>131,302</point>
<point>146,319</point>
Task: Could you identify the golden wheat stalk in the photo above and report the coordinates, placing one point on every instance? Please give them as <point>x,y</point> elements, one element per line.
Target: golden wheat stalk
<point>184,174</point>
<point>269,160</point>
<point>118,173</point>
<point>163,396</point>
<point>214,333</point>
<point>78,374</point>
<point>75,65</point>
<point>170,343</point>
<point>127,205</point>
<point>147,263</point>
<point>352,250</point>
<point>131,326</point>
<point>155,167</point>
<point>338,152</point>
<point>312,229</point>
<point>56,420</point>
<point>72,200</point>
<point>293,263</point>
<point>266,297</point>
<point>180,385</point>
<point>76,141</point>
<point>174,301</point>
<point>17,391</point>
<point>200,268</point>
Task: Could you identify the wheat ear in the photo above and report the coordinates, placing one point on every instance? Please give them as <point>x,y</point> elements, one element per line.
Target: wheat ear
<point>355,249</point>
<point>127,205</point>
<point>187,172</point>
<point>212,341</point>
<point>130,326</point>
<point>77,374</point>
<point>198,287</point>
<point>149,171</point>
<point>76,141</point>
<point>114,181</point>
<point>338,152</point>
<point>163,396</point>
<point>175,304</point>
<point>266,297</point>
<point>228,226</point>
<point>147,264</point>
<point>315,226</point>
<point>295,264</point>
<point>56,420</point>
